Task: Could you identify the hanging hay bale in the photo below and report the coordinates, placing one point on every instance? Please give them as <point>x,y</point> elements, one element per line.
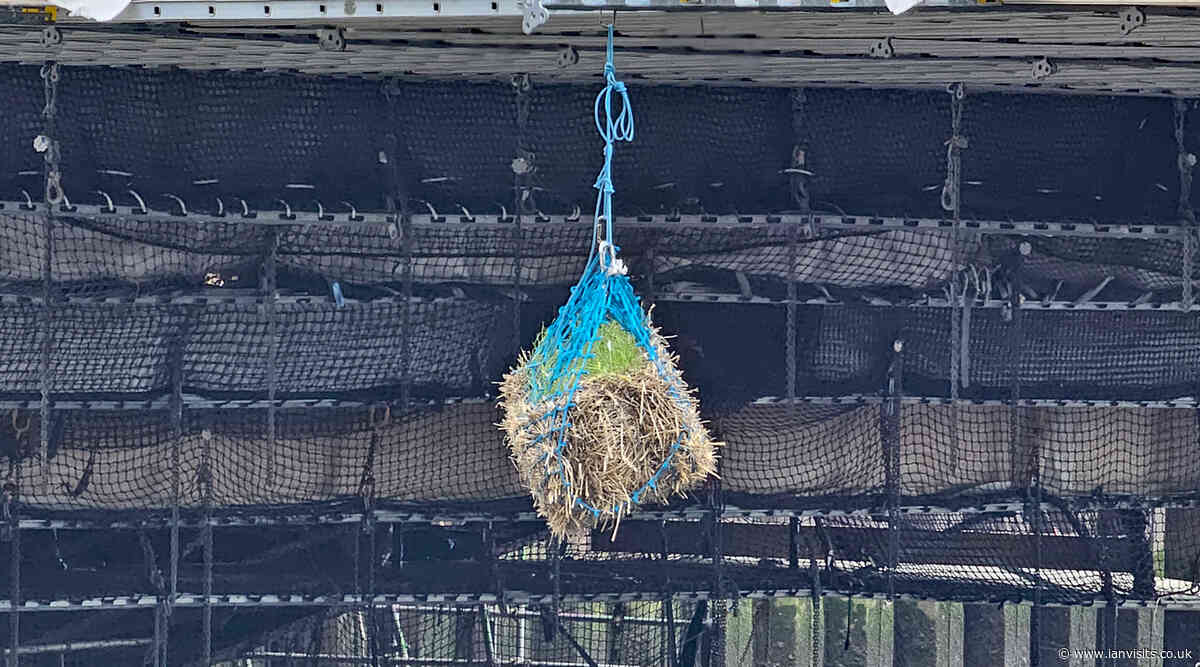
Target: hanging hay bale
<point>597,415</point>
<point>632,433</point>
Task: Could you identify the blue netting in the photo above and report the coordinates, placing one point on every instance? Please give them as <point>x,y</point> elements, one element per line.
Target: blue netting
<point>603,294</point>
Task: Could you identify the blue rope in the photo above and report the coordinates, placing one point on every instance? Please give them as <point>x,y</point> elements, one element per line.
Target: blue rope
<point>557,364</point>
<point>611,130</point>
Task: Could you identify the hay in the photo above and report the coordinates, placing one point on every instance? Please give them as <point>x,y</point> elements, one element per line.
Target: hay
<point>623,427</point>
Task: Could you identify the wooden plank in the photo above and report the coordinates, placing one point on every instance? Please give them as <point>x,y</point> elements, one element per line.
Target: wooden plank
<point>918,547</point>
<point>1032,26</point>
<point>851,46</point>
<point>1101,76</point>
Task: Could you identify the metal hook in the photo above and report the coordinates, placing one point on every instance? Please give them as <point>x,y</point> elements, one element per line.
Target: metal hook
<point>432,212</point>
<point>384,420</point>
<point>66,205</point>
<point>28,201</point>
<point>796,171</point>
<point>245,208</point>
<point>353,212</point>
<point>220,208</point>
<point>140,202</point>
<point>466,213</point>
<point>503,212</point>
<point>182,206</point>
<point>18,429</point>
<point>320,210</point>
<point>108,200</point>
<point>575,213</point>
<point>287,214</point>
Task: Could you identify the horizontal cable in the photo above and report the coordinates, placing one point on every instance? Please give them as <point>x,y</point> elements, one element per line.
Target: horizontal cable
<point>511,597</point>
<point>699,296</point>
<point>199,403</point>
<point>215,297</point>
<point>192,402</point>
<point>817,222</point>
<point>867,399</point>
<point>452,519</point>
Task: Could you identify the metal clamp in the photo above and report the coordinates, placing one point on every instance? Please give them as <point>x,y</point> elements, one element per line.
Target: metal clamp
<point>567,57</point>
<point>521,83</point>
<point>882,49</point>
<point>54,191</point>
<point>535,15</point>
<point>331,39</point>
<point>51,37</point>
<point>1043,68</point>
<point>385,416</point>
<point>609,261</point>
<point>1132,18</point>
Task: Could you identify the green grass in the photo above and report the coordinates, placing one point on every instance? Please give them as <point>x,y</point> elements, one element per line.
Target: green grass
<point>615,352</point>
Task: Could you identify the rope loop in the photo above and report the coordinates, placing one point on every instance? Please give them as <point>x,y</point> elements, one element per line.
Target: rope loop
<point>612,129</point>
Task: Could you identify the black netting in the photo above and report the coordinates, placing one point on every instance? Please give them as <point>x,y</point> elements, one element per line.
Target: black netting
<point>322,349</point>
<point>262,137</point>
<point>1081,158</point>
<point>877,152</point>
<point>217,361</point>
<point>1063,355</point>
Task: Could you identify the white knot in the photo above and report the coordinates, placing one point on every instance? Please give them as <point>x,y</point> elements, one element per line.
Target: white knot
<point>608,260</point>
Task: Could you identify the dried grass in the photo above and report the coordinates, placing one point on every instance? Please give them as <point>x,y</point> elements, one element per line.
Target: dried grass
<point>622,428</point>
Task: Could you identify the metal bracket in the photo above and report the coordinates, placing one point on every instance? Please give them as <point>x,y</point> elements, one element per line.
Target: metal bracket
<point>332,39</point>
<point>1043,68</point>
<point>51,37</point>
<point>535,14</point>
<point>882,49</point>
<point>1132,18</point>
<point>567,57</point>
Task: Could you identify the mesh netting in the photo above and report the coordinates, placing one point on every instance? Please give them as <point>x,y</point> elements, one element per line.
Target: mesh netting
<point>200,135</point>
<point>632,634</point>
<point>252,368</point>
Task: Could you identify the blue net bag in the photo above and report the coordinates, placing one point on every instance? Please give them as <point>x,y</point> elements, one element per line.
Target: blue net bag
<point>597,415</point>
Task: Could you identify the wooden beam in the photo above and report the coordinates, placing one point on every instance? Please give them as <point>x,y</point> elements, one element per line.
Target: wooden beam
<point>489,62</point>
